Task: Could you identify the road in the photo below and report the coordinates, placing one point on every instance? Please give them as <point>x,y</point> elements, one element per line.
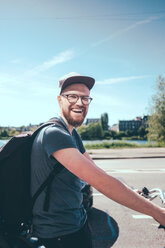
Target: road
<point>108,218</point>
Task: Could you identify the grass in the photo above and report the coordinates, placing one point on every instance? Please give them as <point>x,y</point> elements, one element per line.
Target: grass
<point>113,145</point>
<point>106,145</point>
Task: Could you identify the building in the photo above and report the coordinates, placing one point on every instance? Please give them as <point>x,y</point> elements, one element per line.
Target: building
<point>92,120</point>
<point>144,121</point>
<point>129,125</point>
<point>133,125</point>
<point>115,127</point>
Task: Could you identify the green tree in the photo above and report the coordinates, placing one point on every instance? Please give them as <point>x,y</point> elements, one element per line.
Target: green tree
<point>83,131</point>
<point>110,134</point>
<point>92,131</point>
<point>12,132</point>
<point>4,133</point>
<point>142,132</point>
<point>104,121</point>
<point>113,134</point>
<point>156,129</point>
<point>95,131</point>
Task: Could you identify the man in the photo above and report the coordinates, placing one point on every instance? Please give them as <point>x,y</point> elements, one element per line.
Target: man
<point>65,223</point>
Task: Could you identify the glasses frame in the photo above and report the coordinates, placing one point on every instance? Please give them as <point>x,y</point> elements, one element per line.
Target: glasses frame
<point>81,97</point>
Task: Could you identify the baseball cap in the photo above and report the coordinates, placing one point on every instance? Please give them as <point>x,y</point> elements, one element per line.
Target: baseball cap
<point>73,78</point>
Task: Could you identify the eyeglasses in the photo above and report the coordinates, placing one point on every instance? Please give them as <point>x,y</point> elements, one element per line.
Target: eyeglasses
<point>72,98</point>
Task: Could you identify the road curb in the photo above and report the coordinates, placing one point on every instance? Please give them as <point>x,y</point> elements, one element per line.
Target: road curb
<point>104,158</point>
<point>126,153</point>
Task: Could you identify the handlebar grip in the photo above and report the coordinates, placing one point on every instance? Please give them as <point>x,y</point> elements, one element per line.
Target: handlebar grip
<point>145,191</point>
<point>161,226</point>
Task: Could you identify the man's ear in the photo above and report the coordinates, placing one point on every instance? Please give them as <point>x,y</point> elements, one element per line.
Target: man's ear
<point>59,100</point>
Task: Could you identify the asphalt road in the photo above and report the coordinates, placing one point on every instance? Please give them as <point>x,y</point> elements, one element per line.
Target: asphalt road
<point>118,226</point>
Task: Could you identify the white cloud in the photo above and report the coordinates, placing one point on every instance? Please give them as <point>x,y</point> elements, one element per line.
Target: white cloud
<point>58,59</point>
<point>124,30</point>
<point>119,80</point>
<point>31,82</point>
<point>22,86</point>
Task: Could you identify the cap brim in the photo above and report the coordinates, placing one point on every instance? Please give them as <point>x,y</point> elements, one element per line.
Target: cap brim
<point>88,81</point>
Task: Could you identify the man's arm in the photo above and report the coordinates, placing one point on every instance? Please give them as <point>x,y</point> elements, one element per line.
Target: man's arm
<point>88,157</point>
<point>84,168</point>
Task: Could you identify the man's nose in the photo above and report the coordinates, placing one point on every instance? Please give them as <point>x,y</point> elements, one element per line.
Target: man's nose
<point>79,101</point>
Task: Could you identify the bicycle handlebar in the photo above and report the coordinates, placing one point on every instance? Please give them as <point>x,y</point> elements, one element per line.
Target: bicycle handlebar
<point>152,194</point>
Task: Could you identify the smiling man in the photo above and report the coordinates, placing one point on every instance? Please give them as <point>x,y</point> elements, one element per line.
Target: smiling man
<point>65,223</point>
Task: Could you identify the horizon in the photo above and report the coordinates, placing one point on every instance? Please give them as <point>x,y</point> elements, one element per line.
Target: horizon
<point>37,124</point>
<point>120,44</point>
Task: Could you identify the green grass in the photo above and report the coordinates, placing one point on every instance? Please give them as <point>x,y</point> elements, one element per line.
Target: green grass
<point>113,145</point>
<point>156,144</point>
<point>5,138</point>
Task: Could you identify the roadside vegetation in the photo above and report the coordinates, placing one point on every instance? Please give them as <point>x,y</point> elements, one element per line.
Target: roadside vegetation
<point>8,132</point>
<point>156,129</point>
<point>120,144</point>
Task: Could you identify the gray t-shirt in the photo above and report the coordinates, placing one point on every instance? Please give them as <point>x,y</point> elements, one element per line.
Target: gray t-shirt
<point>66,213</point>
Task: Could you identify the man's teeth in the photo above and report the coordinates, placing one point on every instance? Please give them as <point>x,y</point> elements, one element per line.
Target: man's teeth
<point>77,110</point>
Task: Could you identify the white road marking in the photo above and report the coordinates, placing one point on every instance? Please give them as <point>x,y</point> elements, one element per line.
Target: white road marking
<point>155,225</point>
<point>141,216</point>
<point>136,171</point>
<point>126,171</point>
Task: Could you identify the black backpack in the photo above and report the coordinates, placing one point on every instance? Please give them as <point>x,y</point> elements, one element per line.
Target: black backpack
<point>15,199</point>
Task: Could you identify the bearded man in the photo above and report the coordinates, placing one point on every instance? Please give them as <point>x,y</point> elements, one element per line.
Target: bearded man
<point>65,224</point>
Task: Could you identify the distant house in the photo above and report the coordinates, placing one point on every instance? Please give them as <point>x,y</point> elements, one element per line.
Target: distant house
<point>129,125</point>
<point>115,127</point>
<point>144,121</point>
<point>124,125</point>
<point>92,120</point>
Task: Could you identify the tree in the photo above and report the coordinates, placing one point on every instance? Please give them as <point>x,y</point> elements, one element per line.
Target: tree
<point>83,131</point>
<point>104,121</point>
<point>95,130</point>
<point>92,131</point>
<point>12,132</point>
<point>4,133</point>
<point>142,131</point>
<point>156,129</point>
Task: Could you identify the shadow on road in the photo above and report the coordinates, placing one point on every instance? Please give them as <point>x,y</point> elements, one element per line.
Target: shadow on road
<point>104,228</point>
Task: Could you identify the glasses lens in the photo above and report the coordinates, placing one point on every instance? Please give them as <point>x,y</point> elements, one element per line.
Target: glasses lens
<point>86,100</point>
<point>72,98</point>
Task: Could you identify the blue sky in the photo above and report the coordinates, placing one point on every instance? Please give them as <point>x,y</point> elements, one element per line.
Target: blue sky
<point>118,42</point>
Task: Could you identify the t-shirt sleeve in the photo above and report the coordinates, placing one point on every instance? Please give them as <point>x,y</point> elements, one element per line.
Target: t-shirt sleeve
<point>80,143</point>
<point>55,138</point>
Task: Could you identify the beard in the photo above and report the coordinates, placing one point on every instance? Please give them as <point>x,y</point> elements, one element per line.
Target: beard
<point>73,121</point>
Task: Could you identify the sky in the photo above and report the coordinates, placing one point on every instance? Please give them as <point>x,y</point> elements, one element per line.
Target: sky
<point>121,43</point>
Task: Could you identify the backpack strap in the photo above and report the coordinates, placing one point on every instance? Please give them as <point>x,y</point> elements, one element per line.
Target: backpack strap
<point>53,120</point>
<point>57,168</point>
<point>11,146</point>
